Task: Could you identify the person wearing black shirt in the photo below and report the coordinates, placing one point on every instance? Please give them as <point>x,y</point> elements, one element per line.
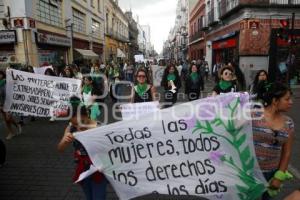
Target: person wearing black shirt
<point>171,83</point>
<point>142,90</point>
<point>193,84</point>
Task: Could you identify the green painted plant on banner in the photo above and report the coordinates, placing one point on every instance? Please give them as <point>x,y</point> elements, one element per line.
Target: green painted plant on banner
<point>237,139</point>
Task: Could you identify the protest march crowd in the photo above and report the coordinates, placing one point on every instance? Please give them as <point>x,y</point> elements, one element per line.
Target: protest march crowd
<point>85,97</point>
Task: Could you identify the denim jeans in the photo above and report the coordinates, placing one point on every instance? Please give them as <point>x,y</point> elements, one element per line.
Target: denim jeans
<point>94,190</point>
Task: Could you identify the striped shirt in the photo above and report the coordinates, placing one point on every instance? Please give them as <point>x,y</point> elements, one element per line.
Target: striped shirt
<point>268,142</point>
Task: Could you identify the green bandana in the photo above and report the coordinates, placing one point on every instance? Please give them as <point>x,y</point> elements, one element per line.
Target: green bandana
<point>87,89</point>
<point>194,76</point>
<point>141,88</point>
<point>2,82</point>
<point>111,71</point>
<point>224,85</point>
<point>116,72</point>
<point>171,77</point>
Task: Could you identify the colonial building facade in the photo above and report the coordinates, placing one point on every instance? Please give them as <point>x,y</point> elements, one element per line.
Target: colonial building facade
<point>247,33</point>
<point>197,25</point>
<point>116,32</point>
<point>133,36</point>
<point>46,32</point>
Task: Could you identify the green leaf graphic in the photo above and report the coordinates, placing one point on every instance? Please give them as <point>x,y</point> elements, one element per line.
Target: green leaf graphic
<point>251,189</point>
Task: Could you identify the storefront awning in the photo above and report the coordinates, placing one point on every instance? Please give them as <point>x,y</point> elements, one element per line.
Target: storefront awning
<point>120,53</point>
<point>87,54</point>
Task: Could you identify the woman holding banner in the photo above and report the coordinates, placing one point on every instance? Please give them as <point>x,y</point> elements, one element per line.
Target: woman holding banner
<point>273,134</point>
<point>94,186</point>
<point>142,90</point>
<point>8,118</point>
<point>171,82</point>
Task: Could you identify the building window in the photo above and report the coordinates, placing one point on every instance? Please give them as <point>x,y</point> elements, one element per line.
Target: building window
<point>2,9</point>
<point>107,23</point>
<point>79,21</point>
<point>99,6</point>
<point>96,28</point>
<point>49,11</point>
<point>92,3</point>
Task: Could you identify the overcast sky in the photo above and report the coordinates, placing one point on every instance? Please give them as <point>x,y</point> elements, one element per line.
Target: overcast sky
<point>159,14</point>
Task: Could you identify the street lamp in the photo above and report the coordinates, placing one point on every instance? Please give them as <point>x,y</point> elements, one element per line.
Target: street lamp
<point>71,30</point>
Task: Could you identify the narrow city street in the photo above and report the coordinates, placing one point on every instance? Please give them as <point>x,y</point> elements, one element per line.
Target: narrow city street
<point>35,170</point>
<point>60,57</point>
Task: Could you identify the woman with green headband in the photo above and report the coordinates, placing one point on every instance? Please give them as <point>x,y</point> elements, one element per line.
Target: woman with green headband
<point>142,90</point>
<point>171,83</point>
<point>226,83</point>
<point>193,83</point>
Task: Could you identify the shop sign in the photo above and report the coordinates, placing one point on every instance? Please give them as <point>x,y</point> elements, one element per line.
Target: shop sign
<point>18,23</point>
<point>225,44</point>
<point>253,24</point>
<point>7,37</point>
<point>43,38</point>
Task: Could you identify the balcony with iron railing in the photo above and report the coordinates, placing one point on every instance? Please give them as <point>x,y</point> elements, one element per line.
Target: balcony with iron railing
<point>196,36</point>
<point>118,36</point>
<point>211,19</point>
<point>204,23</point>
<point>228,7</point>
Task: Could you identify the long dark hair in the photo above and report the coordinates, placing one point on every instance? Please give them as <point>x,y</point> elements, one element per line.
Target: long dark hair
<point>166,73</point>
<point>255,82</point>
<point>141,69</point>
<point>49,72</point>
<point>272,91</point>
<point>75,103</point>
<point>239,76</point>
<point>3,74</point>
<point>258,84</point>
<point>190,69</point>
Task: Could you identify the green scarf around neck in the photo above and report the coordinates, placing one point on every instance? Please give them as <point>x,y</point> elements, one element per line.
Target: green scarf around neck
<point>171,77</point>
<point>224,85</point>
<point>194,76</point>
<point>2,82</point>
<point>141,88</point>
<point>87,89</point>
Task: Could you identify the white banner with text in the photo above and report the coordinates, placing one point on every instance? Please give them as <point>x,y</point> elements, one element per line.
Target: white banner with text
<point>39,95</point>
<point>202,148</point>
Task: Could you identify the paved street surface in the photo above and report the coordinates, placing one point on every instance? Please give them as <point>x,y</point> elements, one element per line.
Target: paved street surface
<point>35,170</point>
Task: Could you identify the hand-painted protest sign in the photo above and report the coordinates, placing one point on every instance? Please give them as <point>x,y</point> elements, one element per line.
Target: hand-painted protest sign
<point>39,95</point>
<point>157,73</point>
<point>203,148</point>
<point>139,58</point>
<point>41,70</point>
<point>134,111</point>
